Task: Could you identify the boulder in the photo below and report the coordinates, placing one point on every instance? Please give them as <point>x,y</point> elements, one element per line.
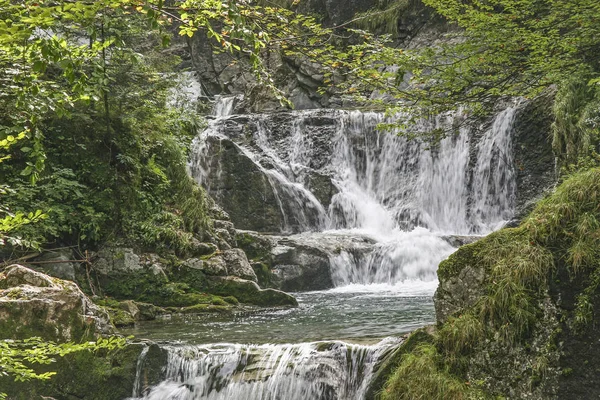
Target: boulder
<point>34,304</point>
<point>249,292</point>
<point>237,264</point>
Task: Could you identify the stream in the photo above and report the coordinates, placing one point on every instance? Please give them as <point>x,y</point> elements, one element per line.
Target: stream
<point>402,196</point>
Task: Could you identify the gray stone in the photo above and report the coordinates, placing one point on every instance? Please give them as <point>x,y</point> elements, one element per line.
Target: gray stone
<point>301,99</point>
<point>116,259</point>
<point>212,266</point>
<point>237,264</point>
<point>459,292</point>
<point>34,304</point>
<point>56,263</point>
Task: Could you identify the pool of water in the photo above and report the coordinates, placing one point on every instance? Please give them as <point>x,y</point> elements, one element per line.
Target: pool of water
<point>355,313</point>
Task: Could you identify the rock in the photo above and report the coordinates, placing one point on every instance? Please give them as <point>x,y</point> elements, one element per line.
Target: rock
<point>90,375</point>
<point>148,312</point>
<point>116,259</point>
<point>132,308</point>
<point>202,248</point>
<point>56,263</point>
<point>254,197</point>
<point>304,261</point>
<point>459,292</point>
<point>249,292</point>
<point>237,264</point>
<point>34,304</point>
<point>229,262</point>
<point>460,240</point>
<point>533,155</point>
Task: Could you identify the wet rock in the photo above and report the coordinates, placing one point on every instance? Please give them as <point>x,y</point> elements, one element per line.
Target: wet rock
<point>535,164</point>
<point>34,304</point>
<point>249,292</point>
<point>460,240</point>
<point>459,292</point>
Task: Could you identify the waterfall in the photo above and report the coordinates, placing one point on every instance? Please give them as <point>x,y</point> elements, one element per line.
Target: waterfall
<point>318,370</point>
<point>384,181</point>
<point>404,194</point>
<point>375,204</point>
<point>494,184</point>
<point>224,105</point>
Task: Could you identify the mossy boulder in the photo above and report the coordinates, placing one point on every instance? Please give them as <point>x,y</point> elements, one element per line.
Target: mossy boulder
<point>34,304</point>
<point>100,375</point>
<point>518,310</point>
<point>249,292</point>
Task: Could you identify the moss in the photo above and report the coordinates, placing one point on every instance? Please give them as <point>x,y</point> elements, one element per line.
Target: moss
<point>248,292</point>
<point>82,375</point>
<point>421,374</point>
<point>390,362</point>
<point>231,300</point>
<point>463,257</point>
<point>257,249</point>
<point>263,274</point>
<point>177,294</point>
<point>202,308</point>
<point>120,318</point>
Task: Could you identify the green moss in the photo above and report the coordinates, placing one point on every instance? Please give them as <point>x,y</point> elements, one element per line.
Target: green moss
<point>202,308</point>
<point>422,375</point>
<point>81,375</point>
<point>463,257</point>
<point>390,362</point>
<point>248,292</point>
<point>231,300</point>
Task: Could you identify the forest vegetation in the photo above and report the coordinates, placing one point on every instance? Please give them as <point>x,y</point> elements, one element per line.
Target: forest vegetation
<point>90,154</point>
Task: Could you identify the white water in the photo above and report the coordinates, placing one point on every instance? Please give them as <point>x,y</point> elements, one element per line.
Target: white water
<point>223,106</point>
<point>318,370</point>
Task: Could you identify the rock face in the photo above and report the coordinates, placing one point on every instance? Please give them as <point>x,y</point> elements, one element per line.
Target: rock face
<point>534,157</point>
<point>195,284</point>
<point>303,262</point>
<point>249,292</point>
<point>34,304</point>
<point>299,171</point>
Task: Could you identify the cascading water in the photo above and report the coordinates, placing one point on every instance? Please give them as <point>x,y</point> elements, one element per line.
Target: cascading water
<point>318,370</point>
<point>392,201</point>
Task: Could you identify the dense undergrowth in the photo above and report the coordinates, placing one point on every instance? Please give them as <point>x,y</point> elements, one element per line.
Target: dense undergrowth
<point>114,170</point>
<point>520,264</point>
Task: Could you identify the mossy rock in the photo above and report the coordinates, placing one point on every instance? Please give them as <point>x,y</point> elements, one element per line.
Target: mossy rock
<point>34,304</point>
<point>390,361</point>
<point>102,375</point>
<point>249,292</point>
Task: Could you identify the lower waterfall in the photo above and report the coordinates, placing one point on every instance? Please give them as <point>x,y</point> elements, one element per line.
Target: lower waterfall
<point>318,370</point>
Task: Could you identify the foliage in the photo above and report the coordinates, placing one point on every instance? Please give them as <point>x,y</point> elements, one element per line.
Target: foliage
<point>18,357</point>
<point>576,129</point>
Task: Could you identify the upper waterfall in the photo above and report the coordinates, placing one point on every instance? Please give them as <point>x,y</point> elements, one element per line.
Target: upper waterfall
<point>380,181</point>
